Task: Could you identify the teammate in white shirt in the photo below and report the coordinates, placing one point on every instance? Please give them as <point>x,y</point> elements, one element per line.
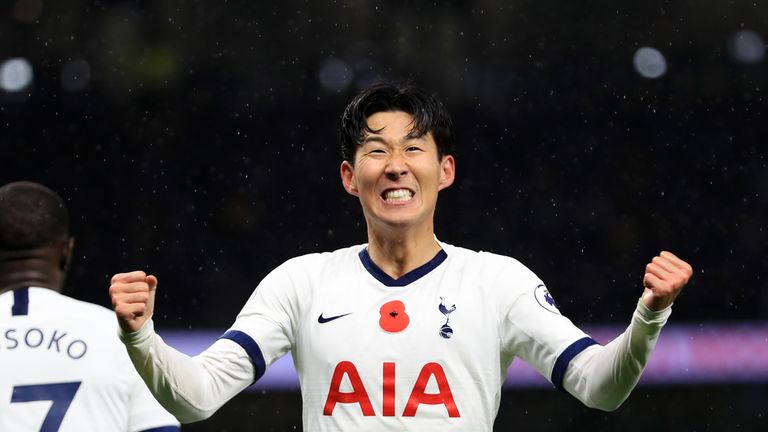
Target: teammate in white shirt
<point>404,332</point>
<point>63,368</point>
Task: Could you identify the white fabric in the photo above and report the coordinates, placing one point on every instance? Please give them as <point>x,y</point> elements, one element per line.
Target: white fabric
<point>63,340</point>
<point>502,311</point>
<point>603,377</point>
<point>192,388</point>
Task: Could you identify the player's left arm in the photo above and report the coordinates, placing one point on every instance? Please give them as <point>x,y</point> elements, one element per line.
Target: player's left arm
<point>603,376</point>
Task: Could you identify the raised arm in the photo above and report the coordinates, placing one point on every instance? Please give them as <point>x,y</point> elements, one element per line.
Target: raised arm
<point>190,388</point>
<point>664,279</point>
<point>603,376</point>
<point>133,298</point>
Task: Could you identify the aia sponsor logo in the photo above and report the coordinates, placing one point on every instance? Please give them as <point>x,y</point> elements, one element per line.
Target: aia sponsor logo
<point>418,395</point>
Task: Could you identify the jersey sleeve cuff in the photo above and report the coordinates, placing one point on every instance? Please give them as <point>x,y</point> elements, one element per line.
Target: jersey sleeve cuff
<point>649,317</point>
<point>139,336</point>
<point>564,359</point>
<point>251,348</point>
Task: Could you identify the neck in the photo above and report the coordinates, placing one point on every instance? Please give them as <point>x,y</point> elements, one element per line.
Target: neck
<point>26,272</point>
<point>399,252</point>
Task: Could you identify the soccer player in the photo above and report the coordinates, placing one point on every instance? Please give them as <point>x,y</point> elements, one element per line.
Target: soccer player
<point>63,369</point>
<point>405,332</point>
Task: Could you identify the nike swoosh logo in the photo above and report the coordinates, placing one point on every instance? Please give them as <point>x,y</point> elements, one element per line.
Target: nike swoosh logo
<point>323,320</point>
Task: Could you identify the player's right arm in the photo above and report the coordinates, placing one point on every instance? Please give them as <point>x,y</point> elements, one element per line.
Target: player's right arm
<point>190,388</point>
<point>133,298</point>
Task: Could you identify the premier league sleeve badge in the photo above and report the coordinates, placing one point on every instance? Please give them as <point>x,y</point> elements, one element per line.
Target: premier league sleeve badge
<point>545,299</point>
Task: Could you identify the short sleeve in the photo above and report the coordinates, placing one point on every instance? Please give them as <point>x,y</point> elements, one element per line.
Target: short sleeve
<point>533,328</point>
<point>264,327</point>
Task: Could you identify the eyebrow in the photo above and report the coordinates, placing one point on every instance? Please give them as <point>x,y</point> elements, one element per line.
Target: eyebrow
<point>413,135</point>
<point>373,138</point>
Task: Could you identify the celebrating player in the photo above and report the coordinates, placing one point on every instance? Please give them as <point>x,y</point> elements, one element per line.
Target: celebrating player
<point>405,332</point>
<point>63,369</point>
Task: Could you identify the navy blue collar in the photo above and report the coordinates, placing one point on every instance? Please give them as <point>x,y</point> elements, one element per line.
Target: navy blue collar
<point>20,301</point>
<point>405,279</point>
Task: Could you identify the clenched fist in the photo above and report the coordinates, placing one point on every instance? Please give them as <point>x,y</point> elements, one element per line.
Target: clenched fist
<point>133,297</point>
<point>665,277</point>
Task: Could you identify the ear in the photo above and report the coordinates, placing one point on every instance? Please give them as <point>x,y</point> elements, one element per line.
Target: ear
<point>348,178</point>
<point>66,254</point>
<point>447,172</point>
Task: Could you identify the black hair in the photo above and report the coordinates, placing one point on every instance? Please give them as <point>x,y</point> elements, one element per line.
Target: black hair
<point>429,115</point>
<point>31,216</point>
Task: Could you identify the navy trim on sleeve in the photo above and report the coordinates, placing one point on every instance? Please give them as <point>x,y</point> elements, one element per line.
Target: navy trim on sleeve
<point>562,362</point>
<point>20,302</point>
<point>405,279</point>
<point>251,347</point>
<point>163,429</point>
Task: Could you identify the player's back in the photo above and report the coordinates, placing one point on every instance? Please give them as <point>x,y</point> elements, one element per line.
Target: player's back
<point>64,369</point>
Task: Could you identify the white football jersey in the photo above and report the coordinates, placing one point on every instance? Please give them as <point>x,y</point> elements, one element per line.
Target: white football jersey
<point>64,369</point>
<point>427,351</point>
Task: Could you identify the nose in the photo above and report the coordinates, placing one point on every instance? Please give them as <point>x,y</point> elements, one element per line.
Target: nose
<point>396,166</point>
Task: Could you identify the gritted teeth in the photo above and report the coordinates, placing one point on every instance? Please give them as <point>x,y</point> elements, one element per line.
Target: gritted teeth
<point>397,195</point>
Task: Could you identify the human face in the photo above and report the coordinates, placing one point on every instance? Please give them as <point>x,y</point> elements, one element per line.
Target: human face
<point>396,174</point>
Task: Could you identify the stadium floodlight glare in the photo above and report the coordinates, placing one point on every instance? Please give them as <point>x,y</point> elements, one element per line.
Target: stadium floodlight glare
<point>650,62</point>
<point>746,46</point>
<point>15,74</point>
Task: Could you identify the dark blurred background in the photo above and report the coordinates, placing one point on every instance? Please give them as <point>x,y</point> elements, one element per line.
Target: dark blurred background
<point>197,140</point>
